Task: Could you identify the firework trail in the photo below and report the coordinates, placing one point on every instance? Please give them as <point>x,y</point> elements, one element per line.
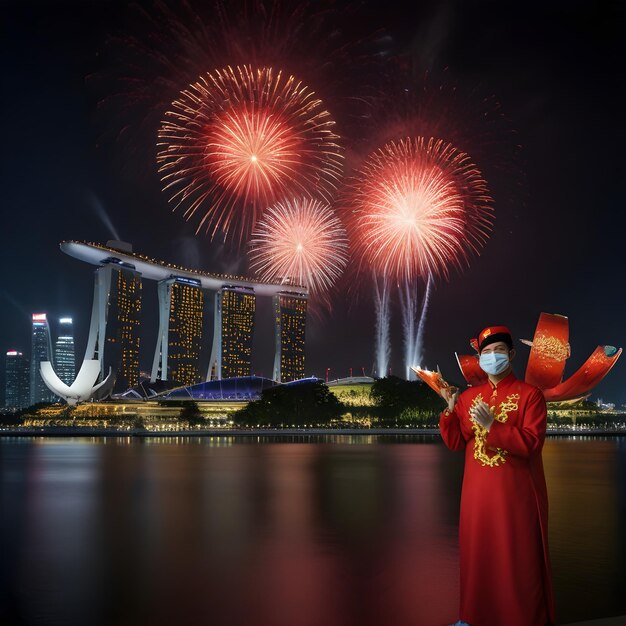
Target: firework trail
<point>241,139</point>
<point>413,326</point>
<point>300,242</point>
<point>382,294</point>
<point>419,207</point>
<point>418,354</point>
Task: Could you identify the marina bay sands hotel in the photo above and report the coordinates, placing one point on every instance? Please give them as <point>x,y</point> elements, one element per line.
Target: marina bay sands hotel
<point>115,319</point>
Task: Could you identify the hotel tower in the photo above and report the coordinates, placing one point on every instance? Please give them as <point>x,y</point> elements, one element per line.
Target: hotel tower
<point>290,324</point>
<point>177,355</point>
<point>114,329</point>
<point>231,355</point>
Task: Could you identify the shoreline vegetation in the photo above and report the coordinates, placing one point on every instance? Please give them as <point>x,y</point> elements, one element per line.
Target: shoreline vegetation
<point>389,406</point>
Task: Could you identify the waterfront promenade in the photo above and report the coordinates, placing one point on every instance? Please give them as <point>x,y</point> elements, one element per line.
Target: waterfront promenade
<point>84,431</point>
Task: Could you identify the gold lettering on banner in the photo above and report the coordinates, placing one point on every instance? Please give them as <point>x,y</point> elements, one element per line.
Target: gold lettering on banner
<point>551,348</point>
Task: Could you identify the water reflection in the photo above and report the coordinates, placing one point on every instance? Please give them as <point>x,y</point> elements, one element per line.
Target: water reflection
<point>304,531</point>
<point>586,483</point>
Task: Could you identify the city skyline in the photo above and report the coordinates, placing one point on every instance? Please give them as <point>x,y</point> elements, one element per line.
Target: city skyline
<point>23,384</point>
<point>555,245</point>
<point>116,317</point>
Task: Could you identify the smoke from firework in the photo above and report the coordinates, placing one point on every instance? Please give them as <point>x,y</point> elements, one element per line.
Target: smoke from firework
<point>301,241</point>
<point>240,139</point>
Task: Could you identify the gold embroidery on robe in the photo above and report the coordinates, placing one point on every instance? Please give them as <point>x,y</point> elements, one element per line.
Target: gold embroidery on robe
<point>480,432</point>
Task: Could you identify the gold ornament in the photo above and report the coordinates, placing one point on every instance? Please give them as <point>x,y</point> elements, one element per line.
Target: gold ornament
<point>480,432</point>
<point>551,348</point>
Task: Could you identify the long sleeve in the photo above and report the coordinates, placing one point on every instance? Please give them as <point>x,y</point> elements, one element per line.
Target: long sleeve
<point>450,428</point>
<point>527,440</point>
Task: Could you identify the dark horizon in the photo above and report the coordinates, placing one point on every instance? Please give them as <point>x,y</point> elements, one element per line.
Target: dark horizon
<point>555,247</point>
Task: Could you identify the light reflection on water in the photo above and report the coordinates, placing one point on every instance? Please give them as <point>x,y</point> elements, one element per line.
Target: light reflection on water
<point>301,531</point>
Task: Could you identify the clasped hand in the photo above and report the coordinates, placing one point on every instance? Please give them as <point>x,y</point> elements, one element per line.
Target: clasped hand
<point>482,414</point>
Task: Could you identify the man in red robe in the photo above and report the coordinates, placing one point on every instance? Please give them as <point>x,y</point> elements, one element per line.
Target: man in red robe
<point>503,531</point>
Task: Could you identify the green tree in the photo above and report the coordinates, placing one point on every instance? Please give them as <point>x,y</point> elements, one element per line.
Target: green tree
<point>190,412</point>
<point>396,398</point>
<point>137,422</point>
<point>587,405</point>
<point>557,420</point>
<point>304,403</point>
<point>11,419</point>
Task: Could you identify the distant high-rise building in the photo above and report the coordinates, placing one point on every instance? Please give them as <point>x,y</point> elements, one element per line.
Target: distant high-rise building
<point>41,350</point>
<point>232,338</point>
<point>64,359</point>
<point>177,354</point>
<point>290,323</point>
<point>114,329</point>
<point>17,395</point>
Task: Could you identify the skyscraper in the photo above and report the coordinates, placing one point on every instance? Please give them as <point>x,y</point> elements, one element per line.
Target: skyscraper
<point>17,395</point>
<point>177,354</point>
<point>114,330</point>
<point>41,350</point>
<point>117,301</point>
<point>232,338</point>
<point>64,360</point>
<point>290,323</point>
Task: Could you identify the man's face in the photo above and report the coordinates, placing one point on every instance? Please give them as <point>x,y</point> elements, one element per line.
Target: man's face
<point>500,347</point>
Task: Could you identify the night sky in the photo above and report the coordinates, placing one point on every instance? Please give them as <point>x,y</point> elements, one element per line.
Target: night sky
<point>555,68</point>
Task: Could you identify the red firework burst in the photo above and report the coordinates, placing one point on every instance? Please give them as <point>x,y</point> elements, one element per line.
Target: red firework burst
<point>240,139</point>
<point>302,242</point>
<point>418,207</point>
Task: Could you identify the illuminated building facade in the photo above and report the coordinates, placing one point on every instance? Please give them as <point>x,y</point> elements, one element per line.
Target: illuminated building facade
<point>235,307</point>
<point>114,330</point>
<point>41,350</point>
<point>290,324</point>
<point>118,281</point>
<point>177,354</point>
<point>17,394</point>
<point>64,359</point>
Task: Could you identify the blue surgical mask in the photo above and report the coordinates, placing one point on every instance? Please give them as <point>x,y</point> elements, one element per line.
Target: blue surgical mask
<point>494,363</point>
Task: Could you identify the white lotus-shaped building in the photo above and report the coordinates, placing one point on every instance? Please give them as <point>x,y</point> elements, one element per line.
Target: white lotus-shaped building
<point>82,388</point>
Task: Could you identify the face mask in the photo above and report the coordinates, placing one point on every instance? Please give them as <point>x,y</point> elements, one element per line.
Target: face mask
<point>493,363</point>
